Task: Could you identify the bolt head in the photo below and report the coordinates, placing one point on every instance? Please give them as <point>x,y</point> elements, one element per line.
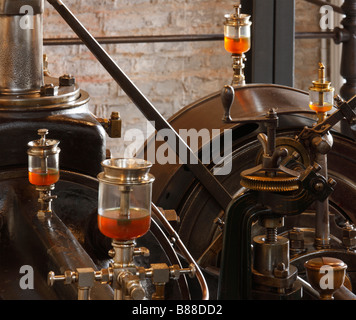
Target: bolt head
<point>66,80</point>
<point>137,293</point>
<point>111,253</point>
<point>280,271</point>
<point>68,277</point>
<point>296,234</point>
<point>318,187</point>
<point>50,278</point>
<point>105,276</point>
<point>49,90</point>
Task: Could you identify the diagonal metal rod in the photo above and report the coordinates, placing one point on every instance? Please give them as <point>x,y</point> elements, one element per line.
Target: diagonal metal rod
<point>201,172</point>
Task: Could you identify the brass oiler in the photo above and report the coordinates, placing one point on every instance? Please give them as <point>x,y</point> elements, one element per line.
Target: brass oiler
<point>321,94</point>
<point>237,41</point>
<point>332,268</point>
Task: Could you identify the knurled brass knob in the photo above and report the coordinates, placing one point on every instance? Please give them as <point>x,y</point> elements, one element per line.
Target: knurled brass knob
<point>326,275</point>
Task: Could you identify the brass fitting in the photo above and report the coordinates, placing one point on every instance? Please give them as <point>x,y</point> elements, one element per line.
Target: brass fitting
<point>349,236</point>
<point>112,126</point>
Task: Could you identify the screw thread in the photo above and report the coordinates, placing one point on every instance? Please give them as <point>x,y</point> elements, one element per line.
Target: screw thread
<point>271,235</point>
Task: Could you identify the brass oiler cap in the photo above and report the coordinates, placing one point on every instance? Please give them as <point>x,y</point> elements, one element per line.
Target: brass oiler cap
<point>317,263</point>
<point>126,171</point>
<point>237,19</point>
<point>321,85</point>
<point>333,269</point>
<point>43,147</point>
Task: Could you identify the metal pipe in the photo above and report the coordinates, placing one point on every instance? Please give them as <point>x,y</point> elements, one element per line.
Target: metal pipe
<point>171,38</point>
<point>322,220</point>
<point>315,35</point>
<point>118,294</point>
<point>136,39</point>
<point>201,172</point>
<point>183,249</point>
<point>341,294</point>
<point>308,288</point>
<point>84,293</point>
<point>344,294</point>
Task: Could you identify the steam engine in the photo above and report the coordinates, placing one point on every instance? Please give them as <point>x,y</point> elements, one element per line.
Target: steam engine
<point>279,224</point>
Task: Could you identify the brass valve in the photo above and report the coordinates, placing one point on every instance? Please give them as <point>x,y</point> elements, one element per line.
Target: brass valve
<point>161,273</point>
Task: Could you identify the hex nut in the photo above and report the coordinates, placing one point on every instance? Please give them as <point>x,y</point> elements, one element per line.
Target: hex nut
<point>193,269</point>
<point>86,277</point>
<point>49,90</point>
<point>296,234</point>
<point>349,232</point>
<point>160,273</point>
<point>105,276</point>
<point>349,236</point>
<point>66,80</point>
<point>175,272</point>
<point>141,273</point>
<point>280,271</point>
<point>115,125</point>
<point>68,277</point>
<point>115,115</point>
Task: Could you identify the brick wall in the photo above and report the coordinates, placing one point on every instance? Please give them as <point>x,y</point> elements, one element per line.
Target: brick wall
<point>307,51</point>
<point>170,75</point>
